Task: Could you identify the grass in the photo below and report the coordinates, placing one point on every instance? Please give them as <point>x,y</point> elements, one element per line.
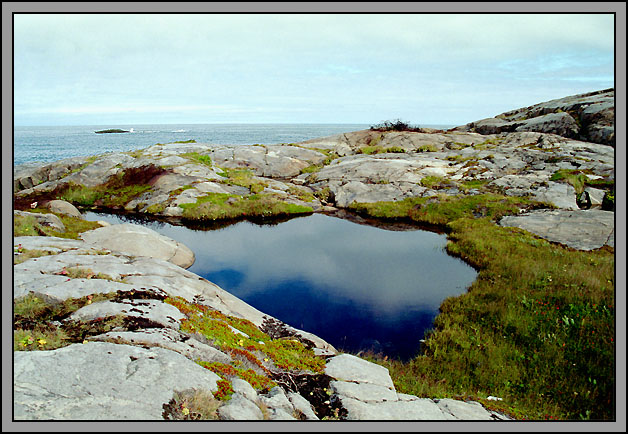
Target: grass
<point>243,178</point>
<point>191,404</point>
<point>536,328</point>
<point>196,157</point>
<point>221,206</point>
<point>28,226</point>
<point>377,149</point>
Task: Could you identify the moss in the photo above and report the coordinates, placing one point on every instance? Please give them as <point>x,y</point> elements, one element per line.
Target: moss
<point>21,254</point>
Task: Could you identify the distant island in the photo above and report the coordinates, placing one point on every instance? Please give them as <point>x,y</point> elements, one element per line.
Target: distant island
<point>113,130</point>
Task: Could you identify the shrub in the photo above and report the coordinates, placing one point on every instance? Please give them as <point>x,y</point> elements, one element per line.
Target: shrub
<point>395,125</point>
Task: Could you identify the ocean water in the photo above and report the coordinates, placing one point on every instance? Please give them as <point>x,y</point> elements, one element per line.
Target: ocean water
<point>52,143</point>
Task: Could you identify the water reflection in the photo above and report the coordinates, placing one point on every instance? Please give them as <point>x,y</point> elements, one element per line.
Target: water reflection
<point>356,286</point>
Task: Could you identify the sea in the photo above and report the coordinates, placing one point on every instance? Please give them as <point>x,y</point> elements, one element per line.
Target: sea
<point>51,143</point>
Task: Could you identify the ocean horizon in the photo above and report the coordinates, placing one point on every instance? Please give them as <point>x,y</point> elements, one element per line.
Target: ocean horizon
<point>52,143</point>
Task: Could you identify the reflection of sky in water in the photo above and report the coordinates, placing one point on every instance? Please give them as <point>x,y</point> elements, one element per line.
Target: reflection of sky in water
<point>356,286</point>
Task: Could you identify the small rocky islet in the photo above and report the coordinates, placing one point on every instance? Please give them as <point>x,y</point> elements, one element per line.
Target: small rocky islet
<point>145,339</point>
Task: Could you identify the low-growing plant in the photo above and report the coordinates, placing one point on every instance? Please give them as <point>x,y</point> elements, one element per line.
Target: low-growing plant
<point>395,125</point>
<point>243,178</point>
<point>219,206</point>
<point>195,156</point>
<point>191,404</point>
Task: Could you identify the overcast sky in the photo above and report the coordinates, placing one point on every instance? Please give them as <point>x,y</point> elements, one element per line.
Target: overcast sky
<point>301,68</point>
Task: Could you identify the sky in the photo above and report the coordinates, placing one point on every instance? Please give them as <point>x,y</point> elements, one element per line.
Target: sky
<point>426,69</point>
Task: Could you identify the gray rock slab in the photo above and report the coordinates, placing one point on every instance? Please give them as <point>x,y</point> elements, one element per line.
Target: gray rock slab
<point>102,381</point>
<point>59,288</point>
<point>420,409</point>
<point>244,388</point>
<point>276,399</point>
<point>240,408</point>
<point>461,410</point>
<point>161,313</point>
<point>346,367</point>
<point>364,392</point>
<point>302,405</point>
<point>140,241</point>
<point>166,338</point>
<point>582,229</point>
<point>560,195</point>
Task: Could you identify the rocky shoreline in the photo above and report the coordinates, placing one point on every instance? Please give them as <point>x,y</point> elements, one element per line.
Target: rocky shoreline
<point>558,155</point>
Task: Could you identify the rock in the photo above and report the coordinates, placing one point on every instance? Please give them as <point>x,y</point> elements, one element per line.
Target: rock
<point>582,229</point>
<point>419,409</point>
<point>364,392</point>
<point>63,207</point>
<point>140,241</point>
<point>244,388</point>
<point>152,311</point>
<point>48,220</point>
<point>302,405</point>
<point>464,410</point>
<point>346,367</point>
<point>276,399</point>
<point>102,381</point>
<point>240,408</point>
<point>557,194</point>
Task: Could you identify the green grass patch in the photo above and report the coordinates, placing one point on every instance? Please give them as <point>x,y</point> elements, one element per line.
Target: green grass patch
<point>440,210</point>
<point>243,178</point>
<point>431,181</point>
<point>185,141</point>
<point>219,206</point>
<point>196,157</point>
<point>427,148</point>
<point>28,226</point>
<point>377,149</point>
<point>300,193</point>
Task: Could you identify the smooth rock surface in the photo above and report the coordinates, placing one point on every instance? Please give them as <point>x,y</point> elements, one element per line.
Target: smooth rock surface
<point>582,229</point>
<point>102,381</point>
<point>140,241</point>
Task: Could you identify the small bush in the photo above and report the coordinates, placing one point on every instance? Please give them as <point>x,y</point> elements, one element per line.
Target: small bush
<point>395,125</point>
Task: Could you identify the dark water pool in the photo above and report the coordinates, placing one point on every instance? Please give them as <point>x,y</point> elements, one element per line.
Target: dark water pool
<point>356,286</point>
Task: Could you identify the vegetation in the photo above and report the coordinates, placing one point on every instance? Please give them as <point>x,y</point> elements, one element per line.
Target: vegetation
<point>28,226</point>
<point>221,206</point>
<point>243,178</point>
<point>536,328</point>
<point>395,125</point>
<point>191,404</point>
<point>198,158</point>
<point>377,149</point>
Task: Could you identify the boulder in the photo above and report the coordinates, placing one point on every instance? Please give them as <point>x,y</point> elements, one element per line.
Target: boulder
<point>63,207</point>
<point>581,229</point>
<point>48,220</point>
<point>102,381</point>
<point>140,241</point>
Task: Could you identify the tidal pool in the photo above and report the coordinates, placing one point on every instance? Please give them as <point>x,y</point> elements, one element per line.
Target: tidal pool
<point>359,287</point>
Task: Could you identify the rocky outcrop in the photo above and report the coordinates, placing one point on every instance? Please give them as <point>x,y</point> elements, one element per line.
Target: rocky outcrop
<point>140,241</point>
<point>581,229</point>
<point>589,117</point>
